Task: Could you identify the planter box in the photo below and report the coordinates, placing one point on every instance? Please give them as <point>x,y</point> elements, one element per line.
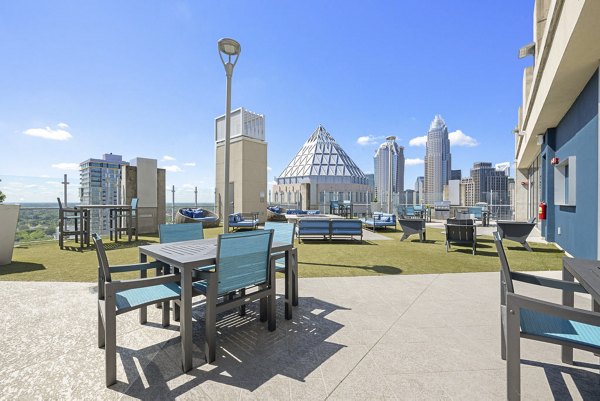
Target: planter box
<point>9,214</point>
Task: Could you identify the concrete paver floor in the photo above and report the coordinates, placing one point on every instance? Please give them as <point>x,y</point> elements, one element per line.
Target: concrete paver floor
<point>384,337</point>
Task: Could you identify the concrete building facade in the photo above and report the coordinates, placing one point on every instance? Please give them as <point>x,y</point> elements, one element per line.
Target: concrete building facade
<point>382,169</point>
<point>247,161</point>
<point>557,149</point>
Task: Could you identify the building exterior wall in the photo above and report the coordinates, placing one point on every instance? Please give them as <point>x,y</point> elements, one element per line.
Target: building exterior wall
<point>149,217</point>
<point>382,169</point>
<point>437,160</point>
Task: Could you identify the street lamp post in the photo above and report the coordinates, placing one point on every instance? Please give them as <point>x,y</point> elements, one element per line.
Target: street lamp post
<point>228,48</point>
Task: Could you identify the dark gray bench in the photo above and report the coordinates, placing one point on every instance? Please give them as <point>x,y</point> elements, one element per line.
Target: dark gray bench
<point>329,228</point>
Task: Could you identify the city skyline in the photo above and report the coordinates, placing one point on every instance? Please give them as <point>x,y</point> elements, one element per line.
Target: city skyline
<point>82,80</point>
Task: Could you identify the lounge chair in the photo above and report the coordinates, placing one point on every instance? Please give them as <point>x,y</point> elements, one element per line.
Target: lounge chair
<point>243,220</point>
<point>117,297</point>
<point>462,232</point>
<point>517,231</point>
<point>412,226</point>
<point>525,317</point>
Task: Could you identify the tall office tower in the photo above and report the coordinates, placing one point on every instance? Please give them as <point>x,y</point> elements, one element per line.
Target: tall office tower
<point>456,174</point>
<point>437,160</point>
<point>100,181</point>
<point>490,184</point>
<point>247,164</point>
<point>371,184</point>
<point>386,153</point>
<point>467,197</point>
<point>419,188</point>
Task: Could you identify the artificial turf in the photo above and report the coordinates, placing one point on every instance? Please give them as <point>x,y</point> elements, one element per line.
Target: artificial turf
<point>46,262</point>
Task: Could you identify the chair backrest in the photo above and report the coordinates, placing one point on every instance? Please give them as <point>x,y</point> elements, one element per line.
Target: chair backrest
<point>243,259</point>
<point>503,263</point>
<point>409,211</point>
<point>134,203</point>
<point>59,203</point>
<point>180,232</point>
<point>461,230</point>
<point>475,211</point>
<point>282,232</point>
<point>462,222</point>
<point>102,259</point>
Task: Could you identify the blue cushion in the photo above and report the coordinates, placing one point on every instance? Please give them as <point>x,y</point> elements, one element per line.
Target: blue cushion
<point>544,325</point>
<point>140,296</point>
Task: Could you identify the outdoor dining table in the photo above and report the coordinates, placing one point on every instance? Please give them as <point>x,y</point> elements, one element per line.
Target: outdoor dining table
<point>587,273</point>
<point>187,256</point>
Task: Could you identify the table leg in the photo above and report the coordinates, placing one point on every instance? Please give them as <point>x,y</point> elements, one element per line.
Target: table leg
<point>186,319</point>
<point>288,285</point>
<point>568,299</point>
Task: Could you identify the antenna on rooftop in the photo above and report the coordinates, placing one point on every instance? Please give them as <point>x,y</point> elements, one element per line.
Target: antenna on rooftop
<point>173,205</point>
<point>196,196</point>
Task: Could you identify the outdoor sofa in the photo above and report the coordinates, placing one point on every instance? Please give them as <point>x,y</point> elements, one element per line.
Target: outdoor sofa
<point>243,220</point>
<point>329,228</point>
<point>301,212</point>
<point>380,220</point>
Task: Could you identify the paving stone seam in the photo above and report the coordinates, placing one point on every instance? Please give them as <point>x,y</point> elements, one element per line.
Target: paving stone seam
<point>384,334</point>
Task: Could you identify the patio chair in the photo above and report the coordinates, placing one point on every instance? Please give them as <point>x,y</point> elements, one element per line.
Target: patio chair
<point>526,317</point>
<point>285,232</point>
<point>413,226</point>
<point>517,231</point>
<point>130,216</point>
<point>243,263</point>
<point>117,297</point>
<point>461,231</point>
<point>80,225</point>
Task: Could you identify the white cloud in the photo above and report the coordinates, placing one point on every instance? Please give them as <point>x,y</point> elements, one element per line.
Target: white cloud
<point>271,183</point>
<point>418,141</point>
<point>458,138</point>
<point>66,166</point>
<point>173,169</point>
<point>168,158</point>
<point>269,168</point>
<point>60,134</point>
<point>190,164</point>
<point>366,140</point>
<point>413,162</point>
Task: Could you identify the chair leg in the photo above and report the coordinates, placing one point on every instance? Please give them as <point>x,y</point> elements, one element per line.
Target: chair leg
<point>165,314</point>
<point>513,357</point>
<point>101,337</point>
<point>526,246</point>
<point>210,329</point>
<point>264,309</point>
<point>176,312</point>
<point>294,256</point>
<point>110,346</point>
<point>243,306</point>
<point>271,312</point>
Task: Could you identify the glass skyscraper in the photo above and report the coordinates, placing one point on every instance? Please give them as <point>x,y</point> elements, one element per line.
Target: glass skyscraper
<point>437,160</point>
<point>382,169</point>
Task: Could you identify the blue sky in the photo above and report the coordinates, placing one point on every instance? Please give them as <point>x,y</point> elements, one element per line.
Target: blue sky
<point>142,78</point>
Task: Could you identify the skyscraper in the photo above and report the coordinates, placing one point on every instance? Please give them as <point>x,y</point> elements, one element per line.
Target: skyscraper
<point>100,181</point>
<point>437,160</point>
<point>419,188</point>
<point>382,169</point>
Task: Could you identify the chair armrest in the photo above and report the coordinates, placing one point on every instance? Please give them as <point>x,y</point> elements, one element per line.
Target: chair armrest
<point>142,282</point>
<point>565,312</point>
<point>205,274</point>
<point>548,282</point>
<point>136,267</point>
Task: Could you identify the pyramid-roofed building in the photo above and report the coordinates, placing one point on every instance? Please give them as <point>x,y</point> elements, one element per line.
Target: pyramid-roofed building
<point>322,171</point>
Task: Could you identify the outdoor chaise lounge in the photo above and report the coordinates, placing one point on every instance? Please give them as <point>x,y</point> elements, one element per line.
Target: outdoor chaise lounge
<point>197,215</point>
<point>117,297</point>
<point>517,231</point>
<point>462,232</point>
<point>525,317</point>
<point>380,220</point>
<point>243,220</point>
<point>412,226</point>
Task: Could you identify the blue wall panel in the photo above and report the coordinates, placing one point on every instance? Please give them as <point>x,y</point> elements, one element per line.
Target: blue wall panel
<point>576,135</point>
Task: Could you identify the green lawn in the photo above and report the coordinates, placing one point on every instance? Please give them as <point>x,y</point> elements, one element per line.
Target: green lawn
<point>46,262</point>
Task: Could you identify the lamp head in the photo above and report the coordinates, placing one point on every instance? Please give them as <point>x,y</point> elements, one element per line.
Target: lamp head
<point>229,47</point>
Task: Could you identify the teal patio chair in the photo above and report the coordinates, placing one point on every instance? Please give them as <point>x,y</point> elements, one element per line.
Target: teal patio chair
<point>285,233</point>
<point>243,263</point>
<point>118,297</point>
<point>526,317</point>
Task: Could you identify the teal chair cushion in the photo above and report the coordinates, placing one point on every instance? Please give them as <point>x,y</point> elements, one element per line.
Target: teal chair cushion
<point>541,324</point>
<point>140,296</point>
